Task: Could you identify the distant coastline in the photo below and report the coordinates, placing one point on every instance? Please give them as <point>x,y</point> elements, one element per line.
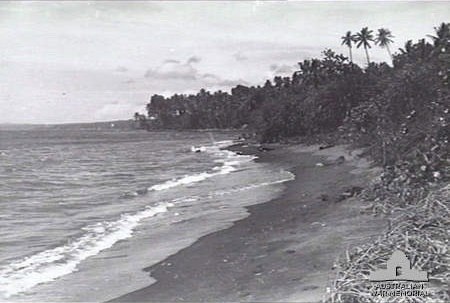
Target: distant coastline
<point>121,124</point>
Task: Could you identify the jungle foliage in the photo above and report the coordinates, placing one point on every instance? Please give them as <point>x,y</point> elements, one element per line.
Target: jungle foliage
<point>400,112</point>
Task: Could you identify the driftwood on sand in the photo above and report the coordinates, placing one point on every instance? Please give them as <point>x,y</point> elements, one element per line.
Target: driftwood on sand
<point>421,231</point>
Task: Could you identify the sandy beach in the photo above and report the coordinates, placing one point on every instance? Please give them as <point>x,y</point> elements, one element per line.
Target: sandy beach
<point>285,249</point>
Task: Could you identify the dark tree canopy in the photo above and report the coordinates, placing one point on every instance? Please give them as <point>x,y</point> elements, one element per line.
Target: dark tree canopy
<point>400,111</point>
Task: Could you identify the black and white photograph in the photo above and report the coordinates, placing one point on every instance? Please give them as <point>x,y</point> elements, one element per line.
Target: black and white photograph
<point>225,151</point>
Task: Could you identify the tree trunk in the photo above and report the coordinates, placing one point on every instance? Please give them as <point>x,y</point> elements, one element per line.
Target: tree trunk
<point>367,55</point>
<point>389,52</point>
<point>350,52</point>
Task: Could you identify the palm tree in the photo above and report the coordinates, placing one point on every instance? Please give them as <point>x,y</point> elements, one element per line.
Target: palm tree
<point>363,38</point>
<point>348,39</point>
<point>442,34</point>
<point>384,39</point>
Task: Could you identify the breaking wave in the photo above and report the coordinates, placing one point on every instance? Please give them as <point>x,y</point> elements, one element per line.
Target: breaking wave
<point>51,264</point>
<point>229,162</point>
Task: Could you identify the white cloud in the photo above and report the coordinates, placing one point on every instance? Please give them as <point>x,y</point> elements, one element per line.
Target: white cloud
<point>283,69</point>
<point>116,110</point>
<point>171,69</point>
<point>194,59</point>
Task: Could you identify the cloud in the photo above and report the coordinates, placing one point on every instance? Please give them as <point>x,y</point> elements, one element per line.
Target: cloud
<point>75,10</point>
<point>282,68</point>
<point>194,59</point>
<point>217,81</point>
<point>115,110</point>
<point>173,69</point>
<point>231,83</point>
<point>171,61</point>
<point>210,77</point>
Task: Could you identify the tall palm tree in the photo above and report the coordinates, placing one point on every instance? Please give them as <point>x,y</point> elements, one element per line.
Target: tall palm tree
<point>384,38</point>
<point>348,40</point>
<point>364,37</point>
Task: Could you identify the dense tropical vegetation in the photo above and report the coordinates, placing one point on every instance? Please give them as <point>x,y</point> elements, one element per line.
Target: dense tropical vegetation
<point>399,111</point>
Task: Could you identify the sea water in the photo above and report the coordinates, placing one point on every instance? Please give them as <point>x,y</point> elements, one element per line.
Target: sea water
<point>84,210</point>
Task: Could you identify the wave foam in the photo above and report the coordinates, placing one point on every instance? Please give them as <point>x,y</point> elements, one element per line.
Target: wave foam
<point>290,177</point>
<point>229,160</point>
<point>48,265</point>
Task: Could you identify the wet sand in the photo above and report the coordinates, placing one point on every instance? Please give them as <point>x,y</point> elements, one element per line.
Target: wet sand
<point>285,249</point>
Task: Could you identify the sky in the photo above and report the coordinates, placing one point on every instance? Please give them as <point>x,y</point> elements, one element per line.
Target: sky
<point>63,62</point>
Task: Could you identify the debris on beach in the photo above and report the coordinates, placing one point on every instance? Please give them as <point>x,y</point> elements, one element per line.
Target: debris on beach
<point>262,148</point>
<point>326,146</point>
<point>349,192</point>
<point>340,160</point>
<point>199,149</point>
<point>419,230</point>
<point>324,197</point>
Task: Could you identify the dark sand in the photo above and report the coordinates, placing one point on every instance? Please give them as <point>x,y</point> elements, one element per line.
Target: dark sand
<point>285,249</point>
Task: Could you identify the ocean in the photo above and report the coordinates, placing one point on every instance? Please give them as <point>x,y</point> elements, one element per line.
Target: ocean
<point>83,211</point>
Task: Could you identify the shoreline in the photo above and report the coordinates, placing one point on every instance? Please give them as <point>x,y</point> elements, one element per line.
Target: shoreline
<point>285,249</point>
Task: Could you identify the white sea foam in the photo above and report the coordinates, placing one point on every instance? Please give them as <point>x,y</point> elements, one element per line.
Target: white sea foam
<point>290,177</point>
<point>51,264</point>
<point>229,162</point>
